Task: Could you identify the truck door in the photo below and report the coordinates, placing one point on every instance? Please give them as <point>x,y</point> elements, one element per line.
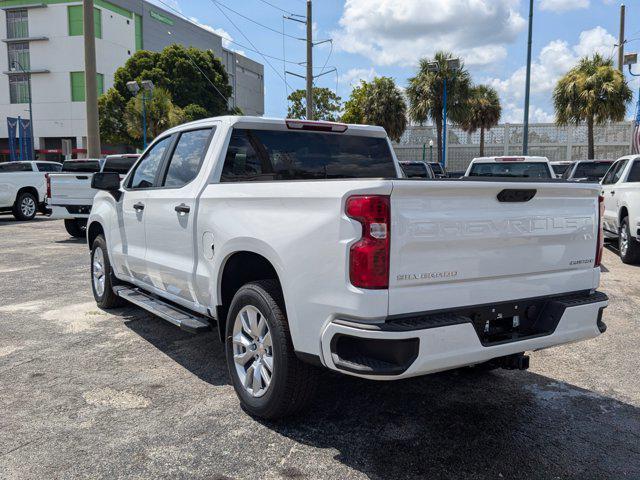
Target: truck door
<point>129,241</point>
<point>610,217</point>
<point>171,212</point>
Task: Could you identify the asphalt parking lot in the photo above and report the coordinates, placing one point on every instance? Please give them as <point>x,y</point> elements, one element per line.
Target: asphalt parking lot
<point>85,393</point>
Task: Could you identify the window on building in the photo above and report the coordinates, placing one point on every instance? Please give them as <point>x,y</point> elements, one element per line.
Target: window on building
<point>17,23</point>
<point>76,21</point>
<point>139,42</point>
<point>19,56</point>
<point>78,86</point>
<point>19,88</point>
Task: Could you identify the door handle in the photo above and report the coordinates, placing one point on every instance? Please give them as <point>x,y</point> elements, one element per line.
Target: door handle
<point>613,192</point>
<point>182,208</point>
<point>138,206</point>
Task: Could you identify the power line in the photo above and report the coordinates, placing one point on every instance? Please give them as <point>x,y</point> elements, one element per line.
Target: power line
<point>218,4</point>
<point>277,7</point>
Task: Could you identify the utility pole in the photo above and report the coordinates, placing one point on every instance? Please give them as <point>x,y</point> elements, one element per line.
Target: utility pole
<point>309,62</point>
<point>527,88</point>
<point>621,40</point>
<point>91,95</point>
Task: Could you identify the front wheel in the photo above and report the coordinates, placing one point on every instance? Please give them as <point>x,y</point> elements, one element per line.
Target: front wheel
<point>25,207</point>
<point>76,227</point>
<point>267,376</point>
<point>629,246</point>
<point>102,276</point>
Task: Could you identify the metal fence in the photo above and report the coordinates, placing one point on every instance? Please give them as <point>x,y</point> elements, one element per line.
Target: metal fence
<point>545,139</point>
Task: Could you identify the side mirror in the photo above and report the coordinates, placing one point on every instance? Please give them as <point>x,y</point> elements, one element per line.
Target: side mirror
<point>109,181</point>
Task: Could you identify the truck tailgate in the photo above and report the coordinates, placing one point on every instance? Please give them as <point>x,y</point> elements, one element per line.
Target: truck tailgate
<point>456,244</point>
<point>71,189</point>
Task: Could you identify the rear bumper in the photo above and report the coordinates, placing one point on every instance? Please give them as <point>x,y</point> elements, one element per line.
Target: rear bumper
<point>69,211</point>
<point>430,343</point>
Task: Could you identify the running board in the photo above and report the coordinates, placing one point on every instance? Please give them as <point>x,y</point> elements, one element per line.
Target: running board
<point>181,318</point>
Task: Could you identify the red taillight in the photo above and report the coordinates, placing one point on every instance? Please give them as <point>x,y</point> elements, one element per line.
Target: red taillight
<point>369,257</point>
<point>46,175</point>
<point>600,246</point>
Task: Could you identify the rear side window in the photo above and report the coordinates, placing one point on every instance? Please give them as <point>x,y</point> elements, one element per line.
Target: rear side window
<point>120,165</point>
<point>263,155</point>
<point>511,169</point>
<point>187,158</point>
<point>148,168</point>
<point>15,167</point>
<point>83,166</point>
<point>634,173</point>
<point>49,167</point>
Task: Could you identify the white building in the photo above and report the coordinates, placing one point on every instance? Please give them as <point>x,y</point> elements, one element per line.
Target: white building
<point>44,37</point>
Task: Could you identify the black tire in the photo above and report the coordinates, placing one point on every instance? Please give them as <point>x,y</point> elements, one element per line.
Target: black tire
<point>107,298</point>
<point>630,254</point>
<point>20,210</point>
<point>293,382</point>
<point>76,227</point>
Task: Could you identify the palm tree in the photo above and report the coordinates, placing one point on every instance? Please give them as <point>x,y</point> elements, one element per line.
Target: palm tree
<point>593,92</point>
<point>483,111</point>
<point>162,114</point>
<point>426,92</point>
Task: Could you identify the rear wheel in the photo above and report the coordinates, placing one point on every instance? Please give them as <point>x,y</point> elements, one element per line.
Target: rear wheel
<point>267,376</point>
<point>629,246</point>
<point>102,276</point>
<point>25,207</point>
<point>76,227</point>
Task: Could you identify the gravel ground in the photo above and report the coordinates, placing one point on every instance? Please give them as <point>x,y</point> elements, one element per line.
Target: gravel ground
<point>84,393</point>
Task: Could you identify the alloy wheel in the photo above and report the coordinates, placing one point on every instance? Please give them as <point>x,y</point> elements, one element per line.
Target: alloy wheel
<point>98,271</point>
<point>28,206</point>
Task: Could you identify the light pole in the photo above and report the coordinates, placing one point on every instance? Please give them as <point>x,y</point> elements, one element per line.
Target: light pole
<point>453,65</point>
<point>527,88</point>
<point>431,151</point>
<point>33,148</point>
<point>134,88</point>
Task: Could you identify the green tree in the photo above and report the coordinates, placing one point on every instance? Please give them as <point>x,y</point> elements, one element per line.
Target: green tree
<point>426,93</point>
<point>593,92</point>
<point>162,114</point>
<point>185,73</point>
<point>326,104</point>
<point>378,102</point>
<point>483,111</point>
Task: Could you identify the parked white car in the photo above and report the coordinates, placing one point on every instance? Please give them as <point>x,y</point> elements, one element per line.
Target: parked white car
<point>70,195</point>
<point>23,187</point>
<point>560,166</point>
<point>621,191</point>
<point>514,167</point>
<point>300,242</point>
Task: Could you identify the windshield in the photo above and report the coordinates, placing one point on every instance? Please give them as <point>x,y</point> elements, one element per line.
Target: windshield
<point>510,169</point>
<point>416,170</point>
<point>84,166</point>
<point>560,168</point>
<point>267,155</point>
<point>591,170</point>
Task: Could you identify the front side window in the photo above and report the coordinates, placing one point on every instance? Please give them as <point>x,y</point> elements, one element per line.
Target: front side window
<point>19,88</point>
<point>148,168</point>
<point>19,59</point>
<point>187,158</point>
<point>263,155</point>
<point>17,23</point>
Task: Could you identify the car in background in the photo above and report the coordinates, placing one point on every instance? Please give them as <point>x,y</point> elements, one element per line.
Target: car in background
<point>621,216</point>
<point>438,170</point>
<point>415,169</point>
<point>23,187</point>
<point>69,193</point>
<point>587,170</point>
<point>559,167</point>
<point>518,167</point>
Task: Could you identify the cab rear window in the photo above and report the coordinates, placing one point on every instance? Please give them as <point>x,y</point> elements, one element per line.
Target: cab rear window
<point>511,169</point>
<point>88,166</point>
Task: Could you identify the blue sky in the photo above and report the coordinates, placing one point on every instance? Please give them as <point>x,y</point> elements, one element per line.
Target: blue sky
<point>387,37</point>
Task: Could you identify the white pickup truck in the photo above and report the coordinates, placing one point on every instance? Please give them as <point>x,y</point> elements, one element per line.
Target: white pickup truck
<point>70,195</point>
<point>23,187</point>
<point>621,220</point>
<point>300,242</point>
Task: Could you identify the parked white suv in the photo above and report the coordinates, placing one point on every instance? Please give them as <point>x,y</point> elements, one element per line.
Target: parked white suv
<point>621,191</point>
<point>300,242</point>
<point>23,187</point>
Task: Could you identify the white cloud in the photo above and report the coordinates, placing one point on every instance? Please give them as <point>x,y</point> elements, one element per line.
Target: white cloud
<point>390,32</point>
<point>227,39</point>
<point>563,5</point>
<point>553,61</point>
<point>515,114</point>
<point>354,75</point>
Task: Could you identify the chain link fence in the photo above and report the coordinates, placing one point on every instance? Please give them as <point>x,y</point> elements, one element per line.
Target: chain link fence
<point>545,139</point>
